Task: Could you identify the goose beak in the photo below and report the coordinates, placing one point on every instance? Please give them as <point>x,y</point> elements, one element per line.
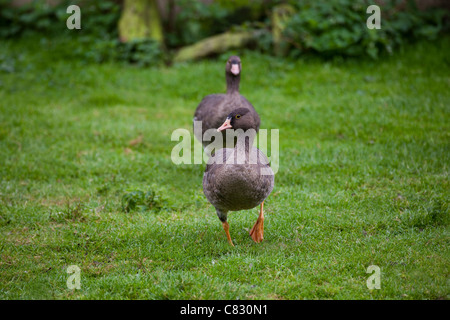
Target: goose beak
<point>226,125</point>
<point>235,69</point>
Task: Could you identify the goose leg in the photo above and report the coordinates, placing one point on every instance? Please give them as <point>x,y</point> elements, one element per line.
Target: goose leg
<point>257,232</point>
<point>226,227</point>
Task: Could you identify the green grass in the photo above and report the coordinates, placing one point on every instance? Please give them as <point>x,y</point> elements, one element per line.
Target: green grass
<point>363,179</point>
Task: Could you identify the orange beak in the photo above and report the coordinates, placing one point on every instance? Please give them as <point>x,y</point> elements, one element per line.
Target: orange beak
<point>225,125</point>
<point>235,69</point>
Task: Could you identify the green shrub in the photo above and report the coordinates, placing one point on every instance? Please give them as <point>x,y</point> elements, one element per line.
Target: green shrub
<point>197,20</point>
<point>327,28</point>
<point>338,27</point>
<point>37,17</point>
<point>33,17</point>
<point>142,53</point>
<point>97,41</point>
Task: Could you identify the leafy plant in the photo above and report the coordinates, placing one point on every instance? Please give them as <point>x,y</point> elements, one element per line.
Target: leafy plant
<point>71,212</point>
<point>97,41</point>
<point>98,18</point>
<point>198,20</point>
<point>137,200</point>
<point>16,20</point>
<point>141,52</point>
<point>338,27</point>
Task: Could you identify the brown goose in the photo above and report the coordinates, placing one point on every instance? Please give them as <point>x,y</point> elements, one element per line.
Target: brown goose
<point>215,107</point>
<point>239,178</point>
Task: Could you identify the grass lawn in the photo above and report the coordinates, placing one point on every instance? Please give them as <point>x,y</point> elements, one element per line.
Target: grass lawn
<point>362,180</point>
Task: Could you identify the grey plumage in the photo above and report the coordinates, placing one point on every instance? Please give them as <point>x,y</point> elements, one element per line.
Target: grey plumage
<point>238,178</point>
<point>234,187</point>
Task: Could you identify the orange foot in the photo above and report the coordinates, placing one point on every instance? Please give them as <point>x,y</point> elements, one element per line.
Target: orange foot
<point>226,227</point>
<point>257,232</point>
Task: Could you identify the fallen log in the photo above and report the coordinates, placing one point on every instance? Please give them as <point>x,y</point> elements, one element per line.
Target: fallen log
<point>215,45</point>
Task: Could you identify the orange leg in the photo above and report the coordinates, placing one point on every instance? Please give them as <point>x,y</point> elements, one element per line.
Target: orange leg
<point>226,227</point>
<point>257,232</point>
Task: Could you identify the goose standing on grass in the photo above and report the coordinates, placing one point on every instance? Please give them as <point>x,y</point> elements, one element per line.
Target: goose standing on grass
<point>239,178</point>
<point>215,107</point>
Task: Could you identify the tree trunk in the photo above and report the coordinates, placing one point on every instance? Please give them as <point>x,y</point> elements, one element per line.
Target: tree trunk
<point>140,19</point>
<point>281,14</point>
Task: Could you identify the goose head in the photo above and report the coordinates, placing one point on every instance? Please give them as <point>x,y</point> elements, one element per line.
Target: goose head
<point>240,118</point>
<point>233,66</point>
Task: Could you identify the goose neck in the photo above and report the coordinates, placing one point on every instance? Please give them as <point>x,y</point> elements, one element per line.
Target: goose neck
<point>233,84</point>
<point>245,141</point>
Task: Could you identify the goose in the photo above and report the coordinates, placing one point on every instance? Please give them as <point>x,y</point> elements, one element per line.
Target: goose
<point>215,107</point>
<point>239,178</point>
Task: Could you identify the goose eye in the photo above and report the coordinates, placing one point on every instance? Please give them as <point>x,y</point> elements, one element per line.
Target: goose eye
<point>238,116</point>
